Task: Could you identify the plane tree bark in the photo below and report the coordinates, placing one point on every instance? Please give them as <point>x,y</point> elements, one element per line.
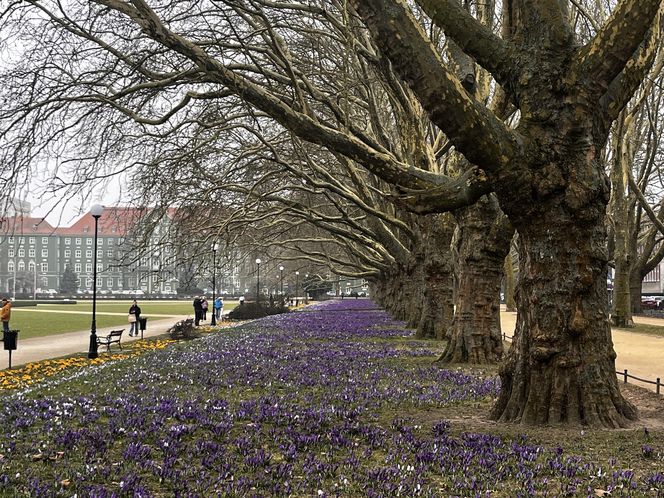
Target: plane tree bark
<point>475,335</point>
<point>549,180</point>
<point>635,236</point>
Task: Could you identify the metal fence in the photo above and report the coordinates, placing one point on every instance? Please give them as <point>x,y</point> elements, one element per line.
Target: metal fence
<point>657,382</point>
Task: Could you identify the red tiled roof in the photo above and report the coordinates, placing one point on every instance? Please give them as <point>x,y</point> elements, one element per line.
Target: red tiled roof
<point>114,221</point>
<point>25,225</point>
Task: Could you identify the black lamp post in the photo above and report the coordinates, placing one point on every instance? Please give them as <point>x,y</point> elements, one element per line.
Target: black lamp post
<point>258,279</point>
<point>297,286</point>
<point>281,276</point>
<point>215,246</point>
<point>96,212</point>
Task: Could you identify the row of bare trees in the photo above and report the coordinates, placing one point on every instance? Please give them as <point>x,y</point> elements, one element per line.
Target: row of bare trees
<point>402,143</point>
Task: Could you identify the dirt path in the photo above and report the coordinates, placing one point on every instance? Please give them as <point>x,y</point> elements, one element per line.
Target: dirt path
<point>641,354</point>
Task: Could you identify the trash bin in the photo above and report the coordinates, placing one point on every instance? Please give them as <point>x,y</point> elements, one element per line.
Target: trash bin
<point>143,323</point>
<point>10,340</point>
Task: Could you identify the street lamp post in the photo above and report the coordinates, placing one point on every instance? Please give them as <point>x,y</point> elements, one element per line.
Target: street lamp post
<point>281,276</point>
<point>258,279</point>
<point>215,246</point>
<point>297,287</point>
<point>96,212</point>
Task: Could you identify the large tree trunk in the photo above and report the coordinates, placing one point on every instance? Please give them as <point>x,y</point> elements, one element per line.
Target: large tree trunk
<point>635,283</point>
<point>483,241</point>
<point>621,315</point>
<point>561,366</point>
<point>510,303</point>
<point>438,310</point>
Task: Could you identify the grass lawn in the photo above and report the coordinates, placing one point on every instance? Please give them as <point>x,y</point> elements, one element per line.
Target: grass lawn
<point>50,319</point>
<point>643,328</point>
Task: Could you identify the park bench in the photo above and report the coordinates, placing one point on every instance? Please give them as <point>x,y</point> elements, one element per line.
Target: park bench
<point>113,336</point>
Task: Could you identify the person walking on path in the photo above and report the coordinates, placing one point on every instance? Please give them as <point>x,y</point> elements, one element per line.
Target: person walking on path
<point>134,316</point>
<point>204,307</point>
<point>218,306</point>
<point>5,314</point>
<point>198,310</point>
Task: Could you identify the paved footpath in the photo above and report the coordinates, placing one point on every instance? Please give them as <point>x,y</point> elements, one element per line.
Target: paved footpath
<point>55,346</point>
<point>641,354</point>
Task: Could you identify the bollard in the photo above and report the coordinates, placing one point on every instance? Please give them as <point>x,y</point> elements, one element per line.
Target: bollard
<point>10,338</point>
<point>658,384</point>
<point>143,324</point>
<point>625,376</point>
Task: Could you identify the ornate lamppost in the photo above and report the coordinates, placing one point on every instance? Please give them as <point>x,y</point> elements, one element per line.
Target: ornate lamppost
<point>96,212</point>
<point>297,287</point>
<point>258,279</point>
<point>215,246</point>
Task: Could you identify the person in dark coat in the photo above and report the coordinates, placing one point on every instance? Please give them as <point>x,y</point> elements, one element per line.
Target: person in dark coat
<point>198,310</point>
<point>135,311</point>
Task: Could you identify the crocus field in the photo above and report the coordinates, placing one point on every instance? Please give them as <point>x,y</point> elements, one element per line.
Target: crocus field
<point>336,400</point>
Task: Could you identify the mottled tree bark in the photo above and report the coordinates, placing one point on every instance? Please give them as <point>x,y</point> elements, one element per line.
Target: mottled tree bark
<point>438,310</point>
<point>482,242</point>
<point>561,366</point>
<point>510,303</point>
<point>621,214</point>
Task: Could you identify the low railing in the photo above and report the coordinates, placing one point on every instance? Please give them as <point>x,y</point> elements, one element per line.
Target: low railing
<point>657,383</point>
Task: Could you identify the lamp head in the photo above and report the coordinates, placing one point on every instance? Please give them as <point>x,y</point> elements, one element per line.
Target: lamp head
<point>96,210</point>
<point>297,273</point>
<point>281,268</point>
<point>258,261</point>
<point>215,246</point>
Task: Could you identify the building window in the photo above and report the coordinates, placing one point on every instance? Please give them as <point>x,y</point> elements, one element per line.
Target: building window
<point>31,252</point>
<point>31,240</point>
<point>88,267</point>
<point>88,241</point>
<point>21,252</point>
<point>10,266</point>
<point>21,266</point>
<point>78,253</point>
<point>652,276</point>
<point>44,240</point>
<point>11,239</point>
<point>77,267</point>
<point>67,253</point>
<point>44,282</point>
<point>109,282</point>
<point>109,253</point>
<point>88,253</point>
<point>100,241</point>
<point>99,282</point>
<point>78,241</point>
<point>100,253</point>
<point>100,267</point>
<point>10,253</point>
<point>44,267</point>
<point>31,266</point>
<point>109,242</point>
<point>44,253</point>
<point>67,241</point>
<point>21,240</point>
